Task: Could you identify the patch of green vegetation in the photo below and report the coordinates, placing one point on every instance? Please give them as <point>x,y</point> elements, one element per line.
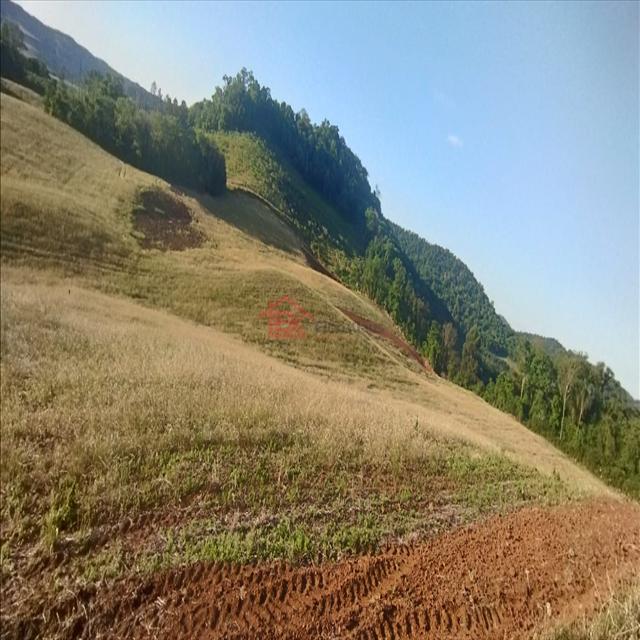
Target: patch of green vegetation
<point>259,169</point>
<point>492,481</point>
<point>325,525</point>
<point>235,302</point>
<point>284,540</point>
<point>63,511</point>
<point>331,510</point>
<point>106,564</point>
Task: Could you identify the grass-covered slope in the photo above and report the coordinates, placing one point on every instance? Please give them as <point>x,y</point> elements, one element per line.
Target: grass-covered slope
<point>72,207</point>
<point>434,298</point>
<point>72,211</point>
<point>430,296</point>
<point>149,420</point>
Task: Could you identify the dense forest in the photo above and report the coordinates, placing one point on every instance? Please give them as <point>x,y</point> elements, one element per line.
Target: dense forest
<point>431,295</point>
<point>387,276</point>
<point>452,280</point>
<point>29,72</point>
<point>582,408</point>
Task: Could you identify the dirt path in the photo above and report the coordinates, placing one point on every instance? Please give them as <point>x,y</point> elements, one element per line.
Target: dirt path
<point>501,578</point>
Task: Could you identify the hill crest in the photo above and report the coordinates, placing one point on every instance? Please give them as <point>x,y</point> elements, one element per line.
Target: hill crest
<point>65,57</point>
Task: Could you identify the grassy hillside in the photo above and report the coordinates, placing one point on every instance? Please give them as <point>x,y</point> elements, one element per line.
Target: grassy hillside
<point>433,297</point>
<point>148,418</point>
<point>287,161</point>
<point>70,210</point>
<point>77,230</point>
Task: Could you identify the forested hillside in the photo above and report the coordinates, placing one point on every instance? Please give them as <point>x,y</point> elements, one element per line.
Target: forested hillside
<point>453,281</point>
<point>549,345</point>
<point>318,152</point>
<point>321,188</point>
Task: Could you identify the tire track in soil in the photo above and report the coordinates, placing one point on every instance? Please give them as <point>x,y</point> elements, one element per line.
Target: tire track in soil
<point>496,579</point>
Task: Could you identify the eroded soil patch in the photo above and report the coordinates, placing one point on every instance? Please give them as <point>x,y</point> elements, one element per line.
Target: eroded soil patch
<point>165,222</point>
<point>316,265</point>
<point>388,335</point>
<point>504,577</point>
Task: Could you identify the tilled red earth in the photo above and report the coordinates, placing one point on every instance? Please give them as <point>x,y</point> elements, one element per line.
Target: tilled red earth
<point>501,578</point>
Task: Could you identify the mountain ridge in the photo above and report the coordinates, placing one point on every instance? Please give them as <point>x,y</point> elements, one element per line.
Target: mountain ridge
<point>63,55</point>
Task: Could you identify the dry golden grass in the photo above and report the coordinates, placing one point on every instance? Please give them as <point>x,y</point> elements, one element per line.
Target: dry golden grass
<point>21,92</point>
<point>618,619</point>
<point>130,408</point>
<point>66,207</point>
<point>110,407</point>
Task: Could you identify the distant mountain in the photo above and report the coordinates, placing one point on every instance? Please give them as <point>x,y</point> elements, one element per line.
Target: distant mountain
<point>63,55</point>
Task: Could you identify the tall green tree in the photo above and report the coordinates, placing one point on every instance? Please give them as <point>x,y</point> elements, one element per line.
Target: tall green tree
<point>568,367</point>
<point>451,358</point>
<point>434,348</point>
<point>469,374</point>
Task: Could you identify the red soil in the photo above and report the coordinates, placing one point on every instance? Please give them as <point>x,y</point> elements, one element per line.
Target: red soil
<point>165,222</point>
<point>388,335</point>
<point>501,578</point>
<point>316,265</point>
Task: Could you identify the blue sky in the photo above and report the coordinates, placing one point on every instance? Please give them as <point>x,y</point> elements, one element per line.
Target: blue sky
<point>507,133</point>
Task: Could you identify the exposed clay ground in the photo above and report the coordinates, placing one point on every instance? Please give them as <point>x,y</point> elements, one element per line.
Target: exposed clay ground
<point>507,577</point>
<point>165,222</point>
<point>395,340</point>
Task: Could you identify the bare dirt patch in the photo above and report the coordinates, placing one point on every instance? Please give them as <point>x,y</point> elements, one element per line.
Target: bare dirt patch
<point>316,265</point>
<point>388,335</point>
<point>165,222</point>
<point>505,577</point>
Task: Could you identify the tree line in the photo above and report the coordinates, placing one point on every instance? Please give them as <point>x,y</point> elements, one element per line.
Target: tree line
<point>581,407</point>
<point>161,140</point>
<point>15,66</point>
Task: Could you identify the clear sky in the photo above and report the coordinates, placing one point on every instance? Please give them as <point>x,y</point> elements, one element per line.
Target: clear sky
<point>507,133</point>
